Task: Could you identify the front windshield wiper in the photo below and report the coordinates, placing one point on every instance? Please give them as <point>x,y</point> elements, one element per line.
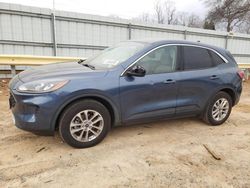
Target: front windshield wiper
<point>85,64</point>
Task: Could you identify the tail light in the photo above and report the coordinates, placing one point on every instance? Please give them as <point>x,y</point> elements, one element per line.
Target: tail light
<point>241,74</point>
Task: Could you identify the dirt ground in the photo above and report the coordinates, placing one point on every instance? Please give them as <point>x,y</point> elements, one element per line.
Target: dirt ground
<point>162,154</point>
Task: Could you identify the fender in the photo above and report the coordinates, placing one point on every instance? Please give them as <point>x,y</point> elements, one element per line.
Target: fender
<point>216,91</point>
<point>85,94</point>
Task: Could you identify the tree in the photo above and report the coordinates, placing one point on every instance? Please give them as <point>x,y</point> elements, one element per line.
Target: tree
<point>165,11</point>
<point>245,26</point>
<point>194,21</point>
<point>159,12</point>
<point>209,24</point>
<point>182,18</point>
<point>231,12</point>
<point>189,20</point>
<point>169,7</point>
<point>144,17</point>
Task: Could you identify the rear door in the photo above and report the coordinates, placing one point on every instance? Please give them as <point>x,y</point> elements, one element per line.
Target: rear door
<point>198,79</point>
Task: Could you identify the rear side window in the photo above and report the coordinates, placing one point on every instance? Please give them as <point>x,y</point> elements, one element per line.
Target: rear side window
<point>216,59</point>
<point>196,58</point>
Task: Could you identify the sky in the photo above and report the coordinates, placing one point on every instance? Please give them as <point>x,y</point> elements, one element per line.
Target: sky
<point>123,8</point>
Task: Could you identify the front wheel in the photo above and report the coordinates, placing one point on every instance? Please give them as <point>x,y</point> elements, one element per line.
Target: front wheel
<point>84,123</point>
<point>218,109</point>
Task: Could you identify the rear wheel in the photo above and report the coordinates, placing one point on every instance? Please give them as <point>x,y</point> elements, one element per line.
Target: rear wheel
<point>218,109</point>
<point>84,123</point>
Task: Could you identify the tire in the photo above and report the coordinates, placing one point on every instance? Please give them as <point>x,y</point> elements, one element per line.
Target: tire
<point>215,117</point>
<point>85,117</point>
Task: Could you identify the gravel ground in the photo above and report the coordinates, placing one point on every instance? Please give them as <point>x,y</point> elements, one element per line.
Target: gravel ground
<point>160,154</point>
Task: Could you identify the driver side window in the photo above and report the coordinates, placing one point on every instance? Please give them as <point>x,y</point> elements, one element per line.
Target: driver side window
<point>161,60</point>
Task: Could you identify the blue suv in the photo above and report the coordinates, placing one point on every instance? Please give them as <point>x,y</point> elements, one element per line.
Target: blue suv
<point>132,82</point>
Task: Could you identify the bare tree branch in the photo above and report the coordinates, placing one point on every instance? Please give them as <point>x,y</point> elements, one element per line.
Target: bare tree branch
<point>159,12</point>
<point>231,12</point>
<point>165,11</point>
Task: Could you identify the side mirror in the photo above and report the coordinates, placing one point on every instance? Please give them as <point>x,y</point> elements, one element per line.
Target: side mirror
<point>136,70</point>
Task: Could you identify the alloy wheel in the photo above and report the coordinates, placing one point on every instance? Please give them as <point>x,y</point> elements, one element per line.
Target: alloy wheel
<point>86,125</point>
<point>220,109</point>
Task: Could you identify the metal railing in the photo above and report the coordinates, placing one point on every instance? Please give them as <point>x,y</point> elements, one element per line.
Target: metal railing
<point>24,60</point>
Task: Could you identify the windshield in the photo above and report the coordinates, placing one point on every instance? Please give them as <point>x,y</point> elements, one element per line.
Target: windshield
<point>113,56</point>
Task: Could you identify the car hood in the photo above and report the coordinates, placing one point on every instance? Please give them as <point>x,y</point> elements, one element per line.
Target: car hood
<point>58,70</point>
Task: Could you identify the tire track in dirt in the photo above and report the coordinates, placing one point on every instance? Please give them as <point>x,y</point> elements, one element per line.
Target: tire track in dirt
<point>33,169</point>
<point>17,138</point>
<point>27,170</point>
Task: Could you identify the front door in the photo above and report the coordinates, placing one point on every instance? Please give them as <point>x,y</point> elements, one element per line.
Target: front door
<point>154,95</point>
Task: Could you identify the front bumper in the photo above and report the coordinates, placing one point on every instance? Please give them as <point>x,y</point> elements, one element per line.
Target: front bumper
<point>34,113</point>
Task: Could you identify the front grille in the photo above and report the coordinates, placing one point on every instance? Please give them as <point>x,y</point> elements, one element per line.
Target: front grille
<point>12,101</point>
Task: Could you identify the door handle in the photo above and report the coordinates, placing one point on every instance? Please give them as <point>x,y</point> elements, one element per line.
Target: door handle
<point>169,81</point>
<point>213,77</point>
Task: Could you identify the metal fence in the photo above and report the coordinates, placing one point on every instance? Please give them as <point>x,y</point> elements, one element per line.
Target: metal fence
<point>36,31</point>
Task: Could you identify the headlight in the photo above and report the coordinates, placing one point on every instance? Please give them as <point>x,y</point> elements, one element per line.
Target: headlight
<point>41,86</point>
